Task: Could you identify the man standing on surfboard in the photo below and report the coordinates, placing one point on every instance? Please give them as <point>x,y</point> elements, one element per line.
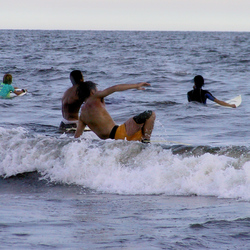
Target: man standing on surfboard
<point>71,102</point>
<point>200,95</point>
<point>96,117</point>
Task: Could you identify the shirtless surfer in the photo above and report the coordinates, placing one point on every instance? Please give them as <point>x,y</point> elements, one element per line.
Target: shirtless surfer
<point>200,95</point>
<point>95,116</point>
<point>71,102</point>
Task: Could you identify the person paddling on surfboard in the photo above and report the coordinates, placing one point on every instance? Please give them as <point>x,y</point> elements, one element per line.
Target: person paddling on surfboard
<point>71,102</point>
<point>6,88</point>
<point>200,95</point>
<point>96,117</point>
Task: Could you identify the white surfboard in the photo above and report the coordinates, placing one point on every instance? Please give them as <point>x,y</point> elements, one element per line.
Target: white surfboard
<point>86,129</point>
<point>12,94</point>
<point>236,100</point>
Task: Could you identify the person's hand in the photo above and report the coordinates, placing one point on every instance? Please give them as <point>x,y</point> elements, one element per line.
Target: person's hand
<point>141,85</point>
<point>233,106</point>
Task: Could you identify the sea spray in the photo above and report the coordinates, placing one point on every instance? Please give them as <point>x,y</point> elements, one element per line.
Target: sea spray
<point>123,167</point>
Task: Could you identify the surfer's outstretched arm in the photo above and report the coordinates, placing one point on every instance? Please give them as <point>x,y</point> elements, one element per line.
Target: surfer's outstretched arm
<point>224,103</point>
<point>120,87</point>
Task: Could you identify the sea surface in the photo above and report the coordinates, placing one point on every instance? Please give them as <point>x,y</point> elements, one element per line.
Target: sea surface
<point>188,189</point>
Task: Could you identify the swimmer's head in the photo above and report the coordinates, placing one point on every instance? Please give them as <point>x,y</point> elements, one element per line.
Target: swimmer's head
<point>198,81</point>
<point>91,85</point>
<point>84,90</point>
<point>7,79</point>
<point>76,77</point>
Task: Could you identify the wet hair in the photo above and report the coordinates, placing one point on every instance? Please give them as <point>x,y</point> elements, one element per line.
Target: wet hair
<point>76,77</point>
<point>84,89</point>
<point>7,79</point>
<point>198,81</point>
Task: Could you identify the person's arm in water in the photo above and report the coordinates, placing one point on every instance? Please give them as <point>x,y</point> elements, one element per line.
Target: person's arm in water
<point>212,98</point>
<point>188,96</point>
<point>224,103</point>
<point>80,128</point>
<point>120,87</point>
<point>18,92</point>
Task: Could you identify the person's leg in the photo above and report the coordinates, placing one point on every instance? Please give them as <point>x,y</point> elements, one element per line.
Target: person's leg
<point>148,126</point>
<point>143,121</point>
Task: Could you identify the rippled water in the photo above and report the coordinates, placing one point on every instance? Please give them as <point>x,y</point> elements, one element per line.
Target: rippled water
<point>189,189</point>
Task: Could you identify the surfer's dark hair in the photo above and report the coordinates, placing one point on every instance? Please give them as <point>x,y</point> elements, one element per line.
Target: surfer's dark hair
<point>84,89</point>
<point>76,77</point>
<point>198,81</point>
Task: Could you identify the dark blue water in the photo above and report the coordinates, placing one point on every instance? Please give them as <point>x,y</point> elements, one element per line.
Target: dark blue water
<point>189,189</point>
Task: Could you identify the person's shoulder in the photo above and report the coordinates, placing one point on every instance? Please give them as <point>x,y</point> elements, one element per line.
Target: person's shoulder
<point>70,91</point>
<point>9,87</point>
<point>70,95</point>
<point>206,91</point>
<point>71,88</point>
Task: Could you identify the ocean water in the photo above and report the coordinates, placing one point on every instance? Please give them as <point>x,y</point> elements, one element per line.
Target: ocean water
<point>188,189</point>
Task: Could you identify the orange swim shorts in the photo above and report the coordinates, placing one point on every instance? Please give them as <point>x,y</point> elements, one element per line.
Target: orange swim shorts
<point>121,134</point>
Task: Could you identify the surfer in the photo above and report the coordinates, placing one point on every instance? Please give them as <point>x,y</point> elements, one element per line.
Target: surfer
<point>96,117</point>
<point>6,88</point>
<point>72,101</point>
<point>200,95</point>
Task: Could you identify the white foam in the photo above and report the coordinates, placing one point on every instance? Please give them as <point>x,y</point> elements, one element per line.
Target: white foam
<point>122,167</point>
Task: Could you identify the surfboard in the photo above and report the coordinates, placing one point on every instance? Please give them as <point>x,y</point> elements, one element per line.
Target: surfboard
<point>86,129</point>
<point>236,100</point>
<point>12,94</point>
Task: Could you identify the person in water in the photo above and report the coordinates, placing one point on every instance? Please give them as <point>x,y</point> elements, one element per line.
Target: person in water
<point>6,88</point>
<point>96,117</point>
<point>200,95</point>
<point>72,101</point>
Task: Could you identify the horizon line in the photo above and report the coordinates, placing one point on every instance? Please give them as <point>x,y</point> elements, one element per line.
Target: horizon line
<point>125,30</point>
